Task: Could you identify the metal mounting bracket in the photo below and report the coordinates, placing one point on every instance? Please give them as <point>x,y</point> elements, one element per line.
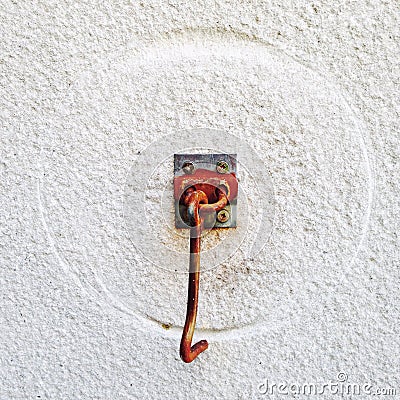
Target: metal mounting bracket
<point>206,172</point>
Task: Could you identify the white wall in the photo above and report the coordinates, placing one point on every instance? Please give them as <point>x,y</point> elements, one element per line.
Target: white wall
<point>97,93</point>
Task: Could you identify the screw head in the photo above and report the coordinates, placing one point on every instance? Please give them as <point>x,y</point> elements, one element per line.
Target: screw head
<point>223,216</point>
<point>188,168</point>
<point>222,167</point>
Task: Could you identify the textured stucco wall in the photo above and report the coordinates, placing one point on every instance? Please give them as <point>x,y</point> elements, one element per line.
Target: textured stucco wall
<point>310,88</point>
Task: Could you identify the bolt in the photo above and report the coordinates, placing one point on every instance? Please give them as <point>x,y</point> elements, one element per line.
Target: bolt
<point>222,167</point>
<point>223,216</point>
<point>188,168</point>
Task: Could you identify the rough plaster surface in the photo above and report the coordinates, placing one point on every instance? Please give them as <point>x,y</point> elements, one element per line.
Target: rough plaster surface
<point>311,88</point>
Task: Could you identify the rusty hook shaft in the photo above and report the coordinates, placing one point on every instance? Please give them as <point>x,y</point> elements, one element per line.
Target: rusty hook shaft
<point>195,200</point>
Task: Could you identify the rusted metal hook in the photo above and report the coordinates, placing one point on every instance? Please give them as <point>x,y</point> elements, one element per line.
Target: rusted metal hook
<point>197,204</point>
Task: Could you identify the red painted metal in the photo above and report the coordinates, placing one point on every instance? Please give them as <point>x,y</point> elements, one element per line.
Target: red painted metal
<point>207,181</point>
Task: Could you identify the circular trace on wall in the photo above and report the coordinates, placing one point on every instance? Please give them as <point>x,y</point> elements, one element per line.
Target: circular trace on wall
<point>114,135</point>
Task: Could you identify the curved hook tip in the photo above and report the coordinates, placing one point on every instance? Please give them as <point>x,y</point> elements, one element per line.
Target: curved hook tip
<point>188,354</point>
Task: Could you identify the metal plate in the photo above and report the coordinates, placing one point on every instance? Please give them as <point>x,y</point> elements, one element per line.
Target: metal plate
<point>206,163</point>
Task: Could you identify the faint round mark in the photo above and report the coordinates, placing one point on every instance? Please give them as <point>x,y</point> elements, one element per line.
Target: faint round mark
<point>323,183</point>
